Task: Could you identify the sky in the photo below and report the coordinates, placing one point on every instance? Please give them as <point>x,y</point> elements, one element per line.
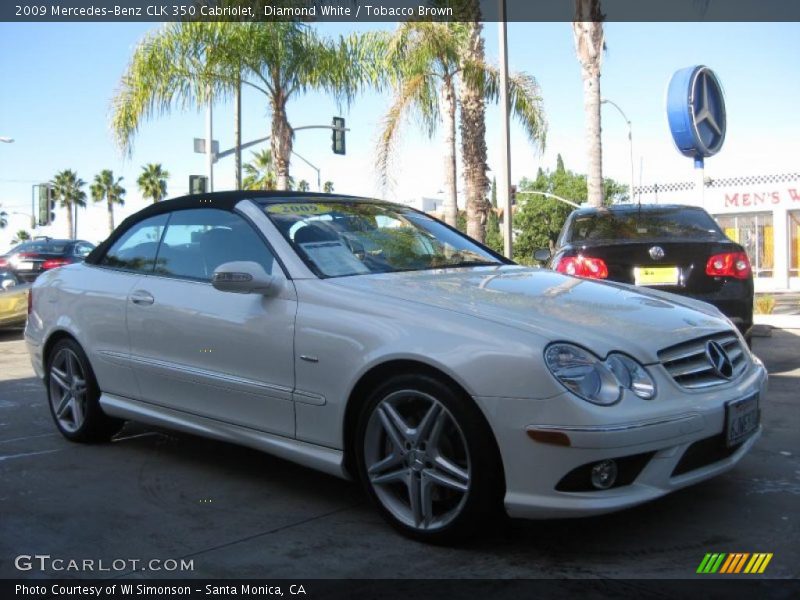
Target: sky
<point>57,81</point>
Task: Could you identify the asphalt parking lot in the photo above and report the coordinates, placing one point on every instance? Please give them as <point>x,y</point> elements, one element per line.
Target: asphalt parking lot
<point>238,513</point>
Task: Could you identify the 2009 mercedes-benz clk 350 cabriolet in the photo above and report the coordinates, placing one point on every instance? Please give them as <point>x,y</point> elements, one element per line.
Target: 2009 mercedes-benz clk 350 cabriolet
<point>369,340</point>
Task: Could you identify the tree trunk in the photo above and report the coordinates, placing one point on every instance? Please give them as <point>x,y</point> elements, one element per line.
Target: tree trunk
<point>473,140</point>
<point>587,31</point>
<point>281,143</point>
<point>110,216</point>
<point>70,231</point>
<point>237,134</point>
<point>449,113</point>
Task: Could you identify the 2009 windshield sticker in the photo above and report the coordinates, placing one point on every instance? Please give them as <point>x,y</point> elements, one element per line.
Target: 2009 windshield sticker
<point>298,208</point>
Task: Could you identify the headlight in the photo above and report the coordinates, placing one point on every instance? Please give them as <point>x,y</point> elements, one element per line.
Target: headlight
<point>631,375</point>
<point>594,380</point>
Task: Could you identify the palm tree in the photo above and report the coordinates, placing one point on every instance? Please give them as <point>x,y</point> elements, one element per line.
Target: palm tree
<point>260,173</point>
<point>153,182</point>
<point>327,187</point>
<point>587,30</point>
<point>68,191</point>
<point>21,236</point>
<point>473,131</point>
<point>105,187</point>
<point>303,186</point>
<point>424,65</point>
<point>186,63</point>
<point>426,61</point>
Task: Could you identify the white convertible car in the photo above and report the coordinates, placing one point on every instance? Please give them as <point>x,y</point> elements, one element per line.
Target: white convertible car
<point>369,340</point>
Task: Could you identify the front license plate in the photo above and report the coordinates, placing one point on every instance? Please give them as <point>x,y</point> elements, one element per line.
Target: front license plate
<point>25,266</point>
<point>741,419</point>
<point>655,275</point>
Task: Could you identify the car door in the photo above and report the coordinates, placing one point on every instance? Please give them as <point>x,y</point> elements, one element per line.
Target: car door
<point>101,304</point>
<point>214,354</point>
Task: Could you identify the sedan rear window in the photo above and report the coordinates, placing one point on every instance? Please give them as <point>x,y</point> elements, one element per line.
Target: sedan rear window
<point>42,247</point>
<point>683,223</point>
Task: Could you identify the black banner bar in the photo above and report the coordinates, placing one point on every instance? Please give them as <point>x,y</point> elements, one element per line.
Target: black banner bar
<point>363,11</point>
<point>710,588</point>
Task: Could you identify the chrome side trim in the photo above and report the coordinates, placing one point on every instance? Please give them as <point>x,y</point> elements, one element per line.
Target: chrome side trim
<point>214,378</point>
<point>308,398</point>
<point>610,428</point>
<point>321,458</point>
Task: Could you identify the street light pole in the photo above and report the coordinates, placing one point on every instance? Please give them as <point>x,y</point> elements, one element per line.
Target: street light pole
<point>209,141</point>
<point>630,137</point>
<point>319,177</point>
<point>505,146</point>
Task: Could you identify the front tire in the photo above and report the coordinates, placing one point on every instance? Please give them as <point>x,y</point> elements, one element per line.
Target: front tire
<point>73,395</point>
<point>428,459</point>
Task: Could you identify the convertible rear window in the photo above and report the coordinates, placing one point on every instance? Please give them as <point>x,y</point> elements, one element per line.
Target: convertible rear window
<point>633,225</point>
<point>338,239</point>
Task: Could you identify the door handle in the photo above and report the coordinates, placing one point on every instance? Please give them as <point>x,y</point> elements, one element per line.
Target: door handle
<point>142,298</point>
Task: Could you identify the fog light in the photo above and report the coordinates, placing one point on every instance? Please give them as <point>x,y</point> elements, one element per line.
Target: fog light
<point>604,474</point>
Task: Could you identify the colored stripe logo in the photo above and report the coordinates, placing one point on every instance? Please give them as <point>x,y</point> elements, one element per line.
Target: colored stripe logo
<point>735,562</point>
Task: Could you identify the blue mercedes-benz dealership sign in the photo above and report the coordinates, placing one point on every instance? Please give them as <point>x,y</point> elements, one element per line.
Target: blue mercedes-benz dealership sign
<point>696,112</point>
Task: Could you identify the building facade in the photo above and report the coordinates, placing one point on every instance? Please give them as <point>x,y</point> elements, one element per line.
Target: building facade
<point>761,212</point>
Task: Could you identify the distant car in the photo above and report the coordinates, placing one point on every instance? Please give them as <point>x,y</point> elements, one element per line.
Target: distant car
<point>673,248</point>
<point>28,260</point>
<point>13,300</point>
<point>369,340</point>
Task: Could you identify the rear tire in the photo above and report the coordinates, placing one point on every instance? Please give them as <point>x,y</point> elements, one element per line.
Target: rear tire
<point>73,395</point>
<point>428,460</point>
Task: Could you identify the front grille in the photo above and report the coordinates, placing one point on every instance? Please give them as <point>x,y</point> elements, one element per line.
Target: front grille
<point>689,366</point>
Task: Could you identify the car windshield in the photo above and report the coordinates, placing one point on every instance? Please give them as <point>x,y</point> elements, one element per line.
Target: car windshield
<point>634,225</point>
<point>337,239</point>
<point>44,247</point>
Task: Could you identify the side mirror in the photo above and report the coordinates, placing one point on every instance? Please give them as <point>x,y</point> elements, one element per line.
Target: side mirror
<point>541,255</point>
<point>8,283</point>
<point>243,277</point>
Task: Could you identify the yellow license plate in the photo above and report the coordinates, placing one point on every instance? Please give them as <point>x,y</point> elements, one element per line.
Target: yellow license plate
<point>655,275</point>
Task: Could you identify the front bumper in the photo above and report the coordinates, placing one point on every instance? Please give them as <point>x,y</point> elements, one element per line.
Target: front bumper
<point>668,443</point>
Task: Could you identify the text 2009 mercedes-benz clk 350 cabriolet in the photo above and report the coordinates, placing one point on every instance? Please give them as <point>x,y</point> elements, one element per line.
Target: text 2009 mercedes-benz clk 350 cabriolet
<point>369,340</point>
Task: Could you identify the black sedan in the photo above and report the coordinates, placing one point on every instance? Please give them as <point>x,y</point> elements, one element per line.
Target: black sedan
<point>29,259</point>
<point>678,249</point>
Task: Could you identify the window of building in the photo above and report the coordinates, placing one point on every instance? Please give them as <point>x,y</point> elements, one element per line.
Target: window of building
<point>754,231</point>
<point>794,243</point>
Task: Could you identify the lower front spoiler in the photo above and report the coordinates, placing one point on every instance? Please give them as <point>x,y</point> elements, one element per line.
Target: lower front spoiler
<point>654,481</point>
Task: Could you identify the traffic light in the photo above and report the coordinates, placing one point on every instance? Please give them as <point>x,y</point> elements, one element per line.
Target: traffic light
<point>198,184</point>
<point>337,137</point>
<point>47,205</point>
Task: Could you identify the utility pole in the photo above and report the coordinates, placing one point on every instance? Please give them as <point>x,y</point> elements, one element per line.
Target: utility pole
<point>209,141</point>
<point>237,126</point>
<point>504,189</point>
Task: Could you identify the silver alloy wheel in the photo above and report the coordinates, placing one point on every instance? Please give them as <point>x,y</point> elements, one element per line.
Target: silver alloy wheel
<point>417,459</point>
<point>68,390</point>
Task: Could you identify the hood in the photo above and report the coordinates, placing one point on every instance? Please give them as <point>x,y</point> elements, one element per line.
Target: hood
<point>601,316</point>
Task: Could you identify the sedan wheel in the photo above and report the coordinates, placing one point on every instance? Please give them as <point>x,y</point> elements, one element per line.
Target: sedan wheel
<point>427,460</point>
<point>74,396</point>
<point>67,390</point>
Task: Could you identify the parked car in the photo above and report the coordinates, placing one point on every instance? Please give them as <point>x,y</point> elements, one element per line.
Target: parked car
<point>677,249</point>
<point>370,340</point>
<point>13,300</point>
<point>30,259</point>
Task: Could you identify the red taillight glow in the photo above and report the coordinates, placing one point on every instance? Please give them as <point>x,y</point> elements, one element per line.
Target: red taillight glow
<point>54,262</point>
<point>730,264</point>
<point>583,266</point>
<point>3,262</point>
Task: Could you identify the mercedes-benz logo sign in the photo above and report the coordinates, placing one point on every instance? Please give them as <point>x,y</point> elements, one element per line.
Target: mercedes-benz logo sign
<point>719,359</point>
<point>708,110</point>
<point>656,253</point>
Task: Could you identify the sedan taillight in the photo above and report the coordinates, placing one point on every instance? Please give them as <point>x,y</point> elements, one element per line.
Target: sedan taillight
<point>730,264</point>
<point>3,263</point>
<point>53,263</point>
<point>583,266</point>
